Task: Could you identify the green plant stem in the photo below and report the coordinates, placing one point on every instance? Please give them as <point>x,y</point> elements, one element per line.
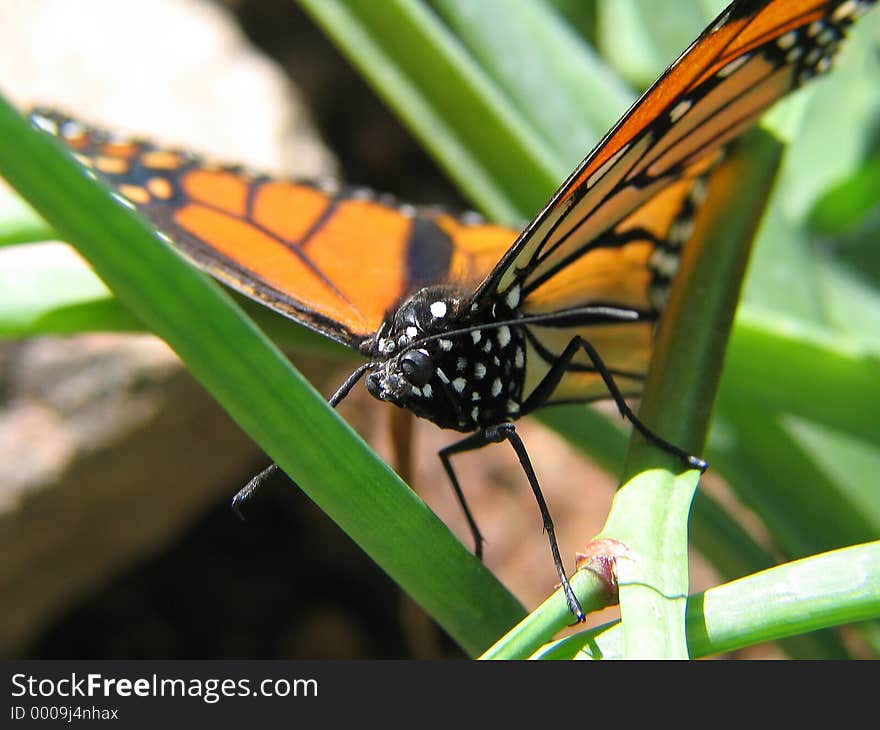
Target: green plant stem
<point>821,591</point>
<point>650,512</point>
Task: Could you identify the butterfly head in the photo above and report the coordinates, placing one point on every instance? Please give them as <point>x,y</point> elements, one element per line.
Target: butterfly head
<point>408,352</point>
<point>445,362</point>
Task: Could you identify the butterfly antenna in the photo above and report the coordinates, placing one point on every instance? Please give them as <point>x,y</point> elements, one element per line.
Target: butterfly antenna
<point>349,383</point>
<point>248,490</point>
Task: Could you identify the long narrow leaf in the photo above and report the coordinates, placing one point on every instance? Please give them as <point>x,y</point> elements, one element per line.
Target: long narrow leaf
<point>260,389</point>
<point>454,108</point>
<point>650,515</point>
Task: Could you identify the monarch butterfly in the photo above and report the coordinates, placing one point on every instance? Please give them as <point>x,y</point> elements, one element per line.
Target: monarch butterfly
<point>465,323</point>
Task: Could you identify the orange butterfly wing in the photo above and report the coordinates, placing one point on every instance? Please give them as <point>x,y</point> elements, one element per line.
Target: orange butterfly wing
<point>754,53</point>
<point>333,258</point>
<point>339,259</point>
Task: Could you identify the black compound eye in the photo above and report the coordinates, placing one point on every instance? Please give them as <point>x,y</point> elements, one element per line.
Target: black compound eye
<point>417,368</point>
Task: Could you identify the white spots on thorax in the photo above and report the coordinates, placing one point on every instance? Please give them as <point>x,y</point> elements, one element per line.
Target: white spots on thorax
<point>427,390</point>
<point>412,332</point>
<point>442,376</point>
<point>438,310</point>
<point>387,346</point>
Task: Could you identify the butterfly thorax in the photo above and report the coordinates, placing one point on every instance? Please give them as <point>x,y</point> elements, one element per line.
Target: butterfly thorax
<point>449,361</point>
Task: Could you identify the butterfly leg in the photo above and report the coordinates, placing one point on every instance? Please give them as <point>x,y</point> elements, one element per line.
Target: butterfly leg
<point>247,491</point>
<point>497,434</point>
<point>546,387</point>
<point>471,443</point>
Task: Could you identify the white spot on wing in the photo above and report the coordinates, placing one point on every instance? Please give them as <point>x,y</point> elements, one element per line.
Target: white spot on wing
<point>459,384</point>
<point>787,40</point>
<point>512,297</point>
<point>606,166</point>
<point>503,336</point>
<point>725,71</point>
<point>496,387</point>
<point>679,110</point>
<point>844,10</point>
